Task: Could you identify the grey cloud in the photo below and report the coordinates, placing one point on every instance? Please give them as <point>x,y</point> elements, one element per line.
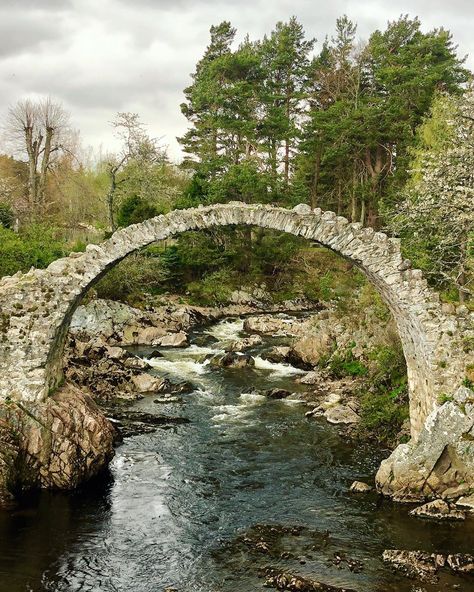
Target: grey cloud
<point>99,57</point>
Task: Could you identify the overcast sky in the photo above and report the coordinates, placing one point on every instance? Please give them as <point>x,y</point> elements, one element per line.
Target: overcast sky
<point>103,56</point>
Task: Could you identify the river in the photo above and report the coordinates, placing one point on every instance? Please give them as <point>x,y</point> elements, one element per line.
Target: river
<point>184,508</point>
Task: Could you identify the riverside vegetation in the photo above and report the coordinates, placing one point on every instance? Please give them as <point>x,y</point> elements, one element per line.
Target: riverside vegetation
<point>380,132</point>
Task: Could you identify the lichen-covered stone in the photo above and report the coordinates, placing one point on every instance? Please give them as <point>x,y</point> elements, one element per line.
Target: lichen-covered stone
<point>441,461</point>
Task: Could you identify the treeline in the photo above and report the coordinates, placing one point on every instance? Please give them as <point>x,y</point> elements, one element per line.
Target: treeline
<point>273,121</point>
<point>378,131</point>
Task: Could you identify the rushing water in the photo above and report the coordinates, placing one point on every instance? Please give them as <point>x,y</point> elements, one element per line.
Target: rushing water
<point>180,505</point>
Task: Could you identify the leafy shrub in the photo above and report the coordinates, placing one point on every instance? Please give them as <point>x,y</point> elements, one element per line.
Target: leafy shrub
<point>7,217</point>
<point>133,277</point>
<point>383,412</point>
<point>346,365</point>
<point>213,288</point>
<point>135,209</point>
<point>36,246</point>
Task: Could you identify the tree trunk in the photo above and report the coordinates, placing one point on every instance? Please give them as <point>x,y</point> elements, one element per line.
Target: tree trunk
<point>110,201</point>
<point>287,142</point>
<point>353,194</point>
<point>31,148</point>
<point>362,211</point>
<point>44,167</point>
<point>339,196</point>
<point>314,184</point>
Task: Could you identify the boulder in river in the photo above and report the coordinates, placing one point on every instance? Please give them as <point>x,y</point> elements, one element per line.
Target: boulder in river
<point>281,580</point>
<point>424,566</point>
<point>441,460</point>
<point>268,325</point>
<point>360,487</point>
<point>278,354</point>
<point>174,340</point>
<point>415,564</point>
<point>232,360</point>
<point>466,503</point>
<point>341,414</point>
<point>461,563</point>
<point>312,378</point>
<point>242,344</point>
<point>147,383</point>
<point>438,510</point>
<point>144,336</point>
<point>309,350</point>
<point>136,363</point>
<point>277,393</point>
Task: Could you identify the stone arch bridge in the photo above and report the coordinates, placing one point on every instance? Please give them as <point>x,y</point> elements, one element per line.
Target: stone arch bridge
<point>36,307</point>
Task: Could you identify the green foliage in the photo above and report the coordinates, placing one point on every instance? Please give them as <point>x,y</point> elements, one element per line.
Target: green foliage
<point>135,209</point>
<point>131,279</point>
<point>444,398</point>
<point>346,365</point>
<point>214,288</point>
<point>384,402</point>
<point>436,217</point>
<point>467,382</point>
<point>36,246</point>
<point>383,413</point>
<point>7,217</point>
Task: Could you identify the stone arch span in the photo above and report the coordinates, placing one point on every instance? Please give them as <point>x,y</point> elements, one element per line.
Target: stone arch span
<point>36,307</point>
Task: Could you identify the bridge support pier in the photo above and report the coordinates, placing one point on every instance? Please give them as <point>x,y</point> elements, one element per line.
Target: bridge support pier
<point>440,463</point>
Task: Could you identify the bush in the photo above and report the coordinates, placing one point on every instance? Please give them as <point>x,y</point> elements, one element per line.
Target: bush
<point>213,288</point>
<point>346,365</point>
<point>7,216</point>
<point>36,246</point>
<point>383,412</point>
<point>135,209</point>
<point>132,278</point>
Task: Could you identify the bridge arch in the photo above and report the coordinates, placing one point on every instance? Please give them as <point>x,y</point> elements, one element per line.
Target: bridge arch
<point>36,307</point>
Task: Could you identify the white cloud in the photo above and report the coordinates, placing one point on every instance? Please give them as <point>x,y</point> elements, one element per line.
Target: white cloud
<point>116,55</point>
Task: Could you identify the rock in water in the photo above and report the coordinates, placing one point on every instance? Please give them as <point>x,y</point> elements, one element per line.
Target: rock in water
<point>174,340</point>
<point>312,378</point>
<point>466,503</point>
<point>415,564</point>
<point>277,393</point>
<point>266,324</point>
<point>438,510</point>
<point>56,444</point>
<point>242,344</point>
<point>146,383</point>
<point>232,360</point>
<point>461,563</point>
<point>294,583</point>
<point>277,354</point>
<point>360,487</point>
<point>309,350</point>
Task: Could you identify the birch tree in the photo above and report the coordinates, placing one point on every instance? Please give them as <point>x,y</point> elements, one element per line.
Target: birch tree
<point>436,218</point>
